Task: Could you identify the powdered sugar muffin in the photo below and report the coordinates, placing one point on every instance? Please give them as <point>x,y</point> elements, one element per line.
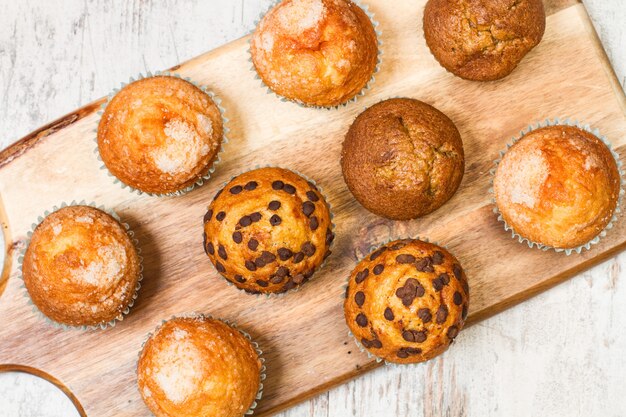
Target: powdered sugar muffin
<point>81,268</point>
<point>315,52</point>
<point>160,134</point>
<point>557,186</point>
<point>198,366</point>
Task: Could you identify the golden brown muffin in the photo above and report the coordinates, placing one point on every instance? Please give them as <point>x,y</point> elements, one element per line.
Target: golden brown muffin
<point>402,159</point>
<point>407,301</point>
<point>198,366</point>
<point>482,40</point>
<point>268,230</point>
<point>160,134</point>
<point>315,52</point>
<point>81,268</point>
<point>557,186</point>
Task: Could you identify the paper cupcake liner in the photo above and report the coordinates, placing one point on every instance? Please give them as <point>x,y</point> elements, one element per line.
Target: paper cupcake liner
<point>255,345</point>
<point>332,229</point>
<point>363,91</point>
<point>200,181</point>
<point>344,288</point>
<point>555,122</point>
<point>20,262</point>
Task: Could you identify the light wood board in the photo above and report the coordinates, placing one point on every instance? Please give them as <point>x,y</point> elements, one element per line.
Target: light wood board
<point>303,335</point>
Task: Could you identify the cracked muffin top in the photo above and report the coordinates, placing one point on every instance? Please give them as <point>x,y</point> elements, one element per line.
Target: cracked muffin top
<point>160,134</point>
<point>407,301</point>
<point>558,186</point>
<point>315,52</point>
<point>268,230</point>
<point>482,40</point>
<point>402,159</point>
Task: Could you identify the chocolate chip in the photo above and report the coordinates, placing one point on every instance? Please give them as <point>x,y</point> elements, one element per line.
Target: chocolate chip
<point>413,351</point>
<point>405,258</point>
<point>457,298</point>
<point>360,277</point>
<point>361,320</point>
<point>376,254</point>
<point>465,286</point>
<point>236,189</point>
<point>445,278</point>
<point>299,279</point>
<point>398,246</point>
<point>220,216</point>
<point>221,251</point>
<point>240,279</point>
<point>245,221</point>
<point>282,271</point>
<point>289,285</point>
<point>208,216</point>
<point>210,249</point>
<point>275,220</point>
<point>253,244</point>
<point>255,217</point>
<point>453,332</point>
<point>402,354</point>
<point>277,279</point>
<point>437,284</point>
<point>289,189</point>
<point>425,315</point>
<point>425,265</point>
<point>268,257</point>
<point>366,343</point>
<point>260,262</point>
<point>359,298</point>
<point>308,208</point>
<point>262,283</point>
<point>437,258</point>
<point>220,268</point>
<point>464,312</point>
<point>237,237</point>
<point>314,223</point>
<point>376,344</point>
<point>458,272</point>
<point>419,290</point>
<point>217,194</point>
<point>308,249</point>
<point>309,274</point>
<point>250,266</point>
<point>389,314</point>
<point>284,254</point>
<point>311,195</point>
<point>298,257</point>
<point>278,185</point>
<point>442,314</point>
<point>274,205</point>
<point>414,336</point>
<point>378,269</point>
<point>327,254</point>
<point>347,291</point>
<point>251,185</point>
<point>204,242</point>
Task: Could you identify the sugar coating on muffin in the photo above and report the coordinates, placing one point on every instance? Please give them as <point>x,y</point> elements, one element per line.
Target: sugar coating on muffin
<point>160,134</point>
<point>81,268</point>
<point>402,159</point>
<point>315,52</point>
<point>268,230</point>
<point>407,301</point>
<point>557,186</point>
<point>482,40</point>
<point>198,366</point>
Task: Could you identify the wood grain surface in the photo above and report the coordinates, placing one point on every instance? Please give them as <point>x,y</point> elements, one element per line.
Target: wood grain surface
<point>303,334</point>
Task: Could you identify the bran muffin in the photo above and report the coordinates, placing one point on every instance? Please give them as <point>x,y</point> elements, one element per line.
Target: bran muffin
<point>402,159</point>
<point>483,40</point>
<point>557,186</point>
<point>315,52</point>
<point>198,366</point>
<point>268,230</point>
<point>407,301</point>
<point>160,134</point>
<point>81,267</point>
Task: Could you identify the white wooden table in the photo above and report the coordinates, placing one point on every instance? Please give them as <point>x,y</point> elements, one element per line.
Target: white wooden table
<point>562,353</point>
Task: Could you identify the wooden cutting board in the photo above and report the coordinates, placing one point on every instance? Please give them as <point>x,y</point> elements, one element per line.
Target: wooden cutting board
<point>304,336</point>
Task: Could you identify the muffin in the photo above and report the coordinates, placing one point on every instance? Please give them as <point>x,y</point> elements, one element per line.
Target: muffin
<point>482,40</point>
<point>268,230</point>
<point>402,159</point>
<point>557,186</point>
<point>198,366</point>
<point>407,301</point>
<point>315,52</point>
<point>81,268</point>
<point>160,134</point>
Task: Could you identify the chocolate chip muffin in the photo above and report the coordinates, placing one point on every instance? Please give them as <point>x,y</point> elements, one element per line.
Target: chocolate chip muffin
<point>160,134</point>
<point>81,267</point>
<point>198,366</point>
<point>483,40</point>
<point>315,52</point>
<point>268,230</point>
<point>407,301</point>
<point>558,186</point>
<point>402,159</point>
